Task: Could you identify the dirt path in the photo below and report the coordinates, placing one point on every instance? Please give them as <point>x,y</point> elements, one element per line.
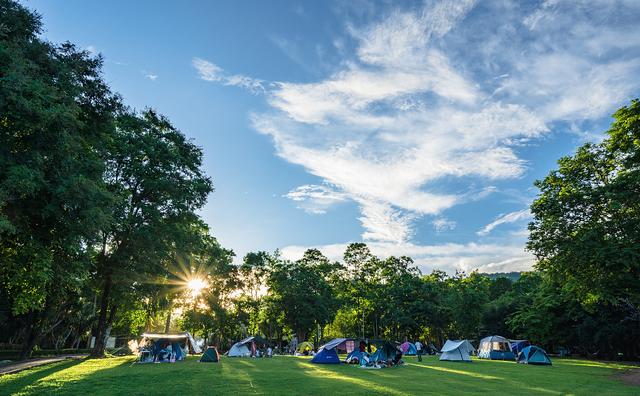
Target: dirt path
<point>631,377</point>
<point>26,364</point>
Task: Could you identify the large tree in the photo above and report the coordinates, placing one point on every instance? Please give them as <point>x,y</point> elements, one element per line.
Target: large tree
<point>586,228</point>
<point>155,174</point>
<point>55,117</point>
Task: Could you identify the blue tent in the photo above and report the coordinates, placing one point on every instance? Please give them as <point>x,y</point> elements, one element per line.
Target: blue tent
<point>409,348</point>
<point>495,348</point>
<point>356,356</point>
<point>518,345</point>
<point>534,355</point>
<point>385,351</point>
<point>326,356</point>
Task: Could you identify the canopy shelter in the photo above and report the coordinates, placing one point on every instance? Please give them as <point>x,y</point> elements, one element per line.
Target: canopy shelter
<point>304,348</point>
<point>156,347</point>
<point>457,351</point>
<point>518,345</point>
<point>408,348</point>
<point>246,347</point>
<point>534,355</point>
<point>495,348</point>
<point>210,355</point>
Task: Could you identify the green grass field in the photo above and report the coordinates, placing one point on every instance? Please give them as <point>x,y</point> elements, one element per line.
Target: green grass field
<point>296,375</point>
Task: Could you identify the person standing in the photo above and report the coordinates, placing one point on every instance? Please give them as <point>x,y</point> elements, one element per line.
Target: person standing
<point>419,350</point>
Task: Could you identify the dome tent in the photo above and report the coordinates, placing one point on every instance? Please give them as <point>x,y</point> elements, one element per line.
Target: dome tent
<point>534,355</point>
<point>457,351</point>
<point>408,348</point>
<point>303,347</point>
<point>495,348</point>
<point>210,356</point>
<point>328,353</point>
<point>385,350</point>
<point>518,345</point>
<point>246,347</point>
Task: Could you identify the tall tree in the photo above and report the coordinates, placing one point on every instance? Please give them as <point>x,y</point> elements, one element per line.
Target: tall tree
<point>55,117</point>
<point>156,175</point>
<point>586,228</point>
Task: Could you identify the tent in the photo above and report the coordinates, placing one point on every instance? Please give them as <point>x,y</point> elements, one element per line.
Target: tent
<point>457,351</point>
<point>534,355</point>
<point>408,348</point>
<point>385,351</point>
<point>239,350</point>
<point>518,345</point>
<point>246,347</point>
<point>210,355</point>
<point>328,353</point>
<point>357,356</point>
<point>495,348</point>
<point>304,348</point>
<point>326,356</point>
<point>156,347</point>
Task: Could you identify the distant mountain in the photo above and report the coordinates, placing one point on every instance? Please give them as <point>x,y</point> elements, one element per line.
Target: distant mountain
<point>514,276</point>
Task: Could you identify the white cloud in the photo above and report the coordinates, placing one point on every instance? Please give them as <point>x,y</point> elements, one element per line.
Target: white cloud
<point>442,224</point>
<point>512,217</point>
<point>315,199</point>
<point>209,71</point>
<point>152,77</point>
<point>438,94</point>
<point>449,257</point>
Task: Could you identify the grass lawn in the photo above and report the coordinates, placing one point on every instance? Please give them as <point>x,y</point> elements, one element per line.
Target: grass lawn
<point>287,375</point>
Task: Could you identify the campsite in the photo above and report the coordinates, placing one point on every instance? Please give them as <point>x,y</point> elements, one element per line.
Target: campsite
<point>296,375</point>
<point>326,197</point>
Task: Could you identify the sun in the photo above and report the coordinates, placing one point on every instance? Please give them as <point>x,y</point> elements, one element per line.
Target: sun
<point>195,286</point>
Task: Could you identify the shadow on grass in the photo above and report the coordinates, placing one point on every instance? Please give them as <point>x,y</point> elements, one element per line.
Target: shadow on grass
<point>14,383</point>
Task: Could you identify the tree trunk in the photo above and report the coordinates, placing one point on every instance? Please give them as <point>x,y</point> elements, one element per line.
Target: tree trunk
<point>167,323</point>
<point>31,336</point>
<point>98,349</point>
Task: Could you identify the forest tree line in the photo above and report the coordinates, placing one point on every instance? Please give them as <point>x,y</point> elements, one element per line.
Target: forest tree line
<point>99,236</point>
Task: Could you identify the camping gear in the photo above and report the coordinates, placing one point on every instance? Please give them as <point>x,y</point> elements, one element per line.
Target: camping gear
<point>457,351</point>
<point>304,348</point>
<point>518,345</point>
<point>534,355</point>
<point>210,355</point>
<point>156,347</point>
<point>409,348</point>
<point>247,347</point>
<point>495,348</point>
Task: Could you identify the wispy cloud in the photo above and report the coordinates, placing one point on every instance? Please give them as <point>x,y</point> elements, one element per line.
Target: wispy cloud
<point>433,95</point>
<point>442,224</point>
<point>209,71</point>
<point>315,199</point>
<point>152,77</point>
<point>512,217</point>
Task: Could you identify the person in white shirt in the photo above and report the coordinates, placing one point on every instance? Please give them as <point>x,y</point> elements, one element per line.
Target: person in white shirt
<point>419,350</point>
<point>269,352</point>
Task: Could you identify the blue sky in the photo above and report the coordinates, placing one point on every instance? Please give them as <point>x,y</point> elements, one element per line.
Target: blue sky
<point>417,127</point>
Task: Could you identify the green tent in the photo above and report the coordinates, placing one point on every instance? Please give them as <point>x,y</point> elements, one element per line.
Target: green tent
<point>210,355</point>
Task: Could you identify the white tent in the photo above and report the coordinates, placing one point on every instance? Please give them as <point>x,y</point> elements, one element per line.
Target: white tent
<point>239,349</point>
<point>458,351</point>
